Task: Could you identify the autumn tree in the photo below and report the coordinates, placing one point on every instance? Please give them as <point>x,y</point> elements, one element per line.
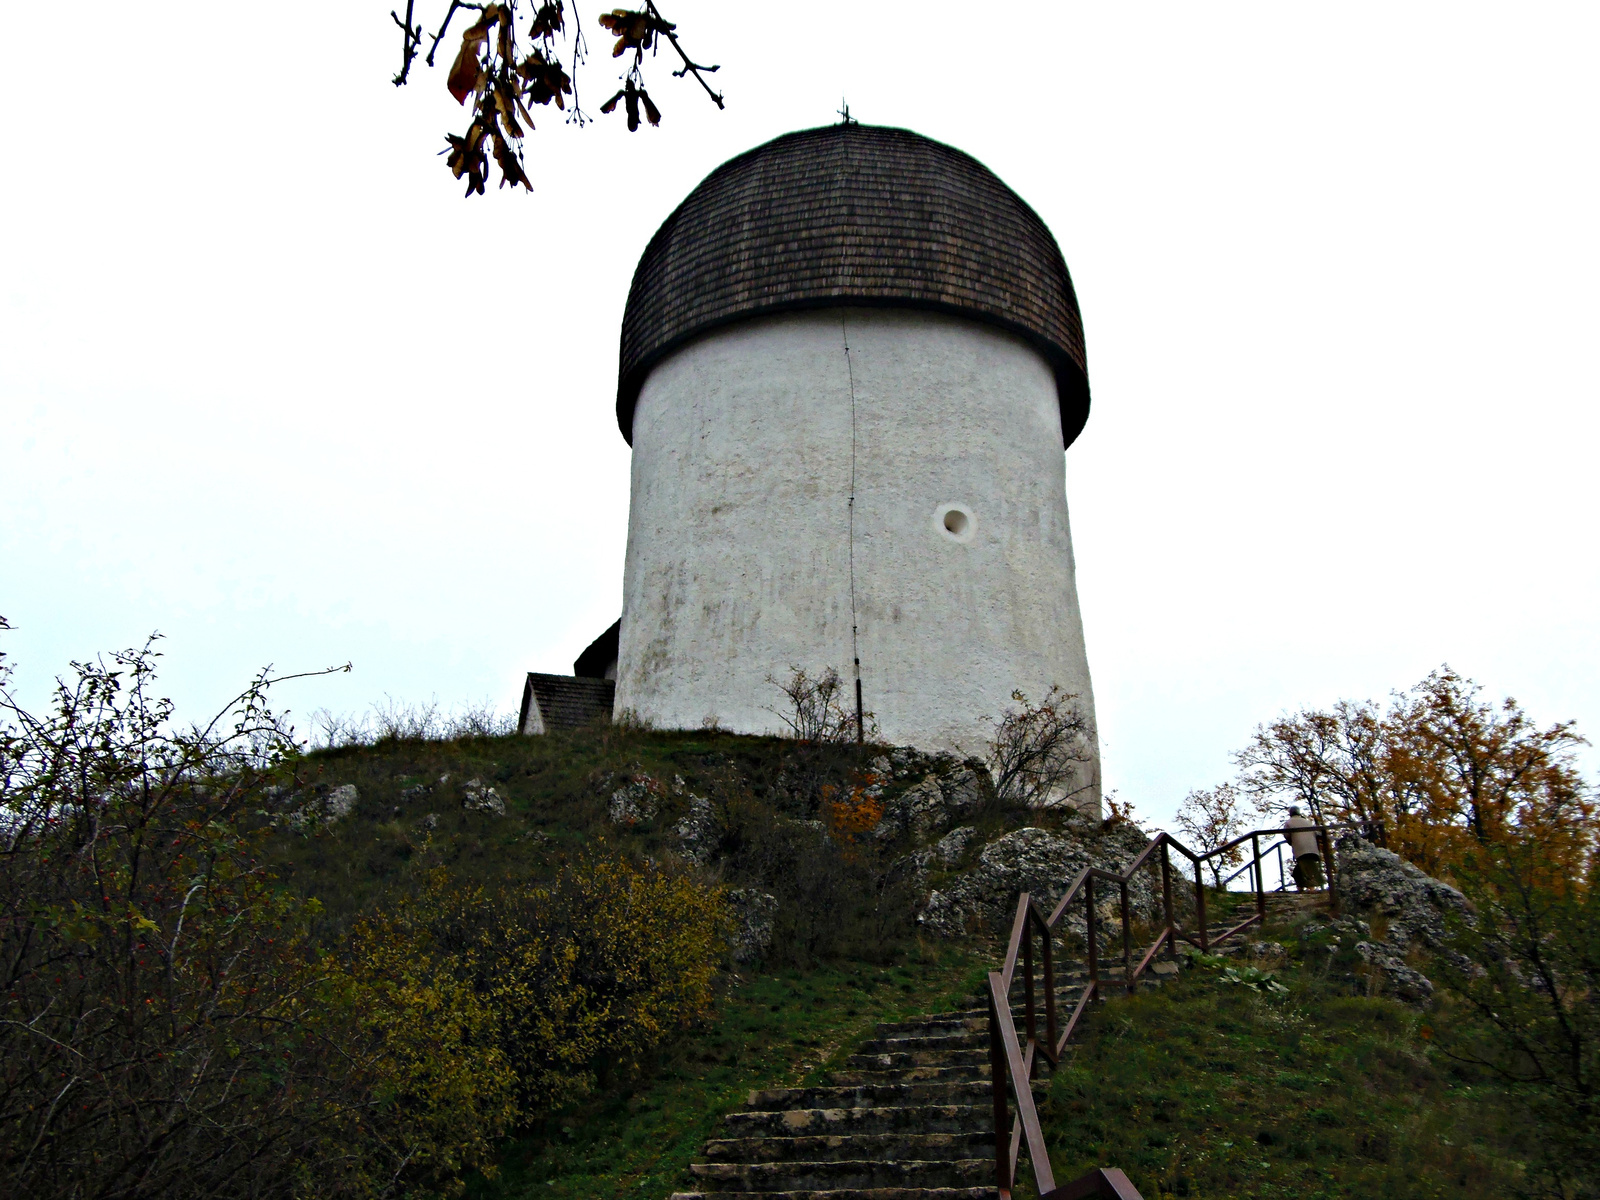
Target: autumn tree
<point>517,55</point>
<point>1211,818</point>
<point>593,968</point>
<point>1440,770</point>
<point>1487,770</point>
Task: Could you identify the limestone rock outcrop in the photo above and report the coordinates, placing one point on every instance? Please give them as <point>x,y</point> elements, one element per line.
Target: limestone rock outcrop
<point>947,794</point>
<point>1042,863</point>
<point>697,832</point>
<point>636,800</point>
<point>753,913</point>
<point>1414,907</point>
<point>327,806</point>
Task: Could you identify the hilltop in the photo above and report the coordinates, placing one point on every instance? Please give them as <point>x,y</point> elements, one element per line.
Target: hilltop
<point>1202,1087</point>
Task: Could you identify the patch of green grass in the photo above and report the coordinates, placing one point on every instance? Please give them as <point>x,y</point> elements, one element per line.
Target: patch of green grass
<point>1210,1088</point>
<point>772,1029</point>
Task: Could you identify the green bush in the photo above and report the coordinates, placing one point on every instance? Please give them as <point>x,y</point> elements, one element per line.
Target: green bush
<point>174,1023</point>
<point>166,1027</point>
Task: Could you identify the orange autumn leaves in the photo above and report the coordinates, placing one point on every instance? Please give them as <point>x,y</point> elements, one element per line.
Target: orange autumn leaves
<point>1436,775</point>
<point>851,811</point>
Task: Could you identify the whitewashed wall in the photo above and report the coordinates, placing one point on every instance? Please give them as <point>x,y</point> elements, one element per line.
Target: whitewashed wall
<point>739,529</point>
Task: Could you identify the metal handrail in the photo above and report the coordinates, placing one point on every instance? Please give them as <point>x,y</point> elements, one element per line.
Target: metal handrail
<point>1012,1061</point>
<point>1250,866</point>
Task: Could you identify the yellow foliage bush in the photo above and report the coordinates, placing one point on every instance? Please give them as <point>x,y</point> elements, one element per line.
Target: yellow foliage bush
<point>539,989</point>
<point>443,1088</point>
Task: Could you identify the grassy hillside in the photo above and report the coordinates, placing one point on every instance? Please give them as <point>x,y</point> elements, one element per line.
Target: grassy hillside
<point>1209,1087</point>
<point>776,1023</point>
<point>772,1029</point>
<point>410,816</point>
<point>1204,1088</point>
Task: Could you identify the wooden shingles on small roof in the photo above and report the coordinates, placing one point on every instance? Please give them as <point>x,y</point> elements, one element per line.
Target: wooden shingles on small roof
<point>859,215</point>
<point>551,702</point>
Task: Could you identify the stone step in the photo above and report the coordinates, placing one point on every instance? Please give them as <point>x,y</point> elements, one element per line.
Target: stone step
<point>857,1147</point>
<point>925,1058</point>
<point>940,1022</point>
<point>845,1173</point>
<point>917,1118</point>
<point>883,1193</point>
<point>875,1095</point>
<point>956,1074</point>
<point>965,1040</point>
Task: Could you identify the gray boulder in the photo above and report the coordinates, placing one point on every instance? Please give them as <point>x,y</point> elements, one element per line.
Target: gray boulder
<point>953,845</point>
<point>918,811</point>
<point>753,913</point>
<point>635,801</point>
<point>1415,908</point>
<point>965,790</point>
<point>1399,979</point>
<point>328,807</point>
<point>478,796</point>
<point>946,852</point>
<point>1043,864</point>
<point>1375,880</point>
<point>697,832</point>
<point>935,803</point>
<point>340,803</point>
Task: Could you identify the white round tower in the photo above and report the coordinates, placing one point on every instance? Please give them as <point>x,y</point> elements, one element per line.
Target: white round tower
<point>851,362</point>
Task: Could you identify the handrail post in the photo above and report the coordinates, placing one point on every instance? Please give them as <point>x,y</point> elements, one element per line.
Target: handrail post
<point>1261,884</point>
<point>1027,978</point>
<point>1089,924</point>
<point>1166,899</point>
<point>997,1077</point>
<point>1127,942</point>
<point>1200,906</point>
<point>1049,991</point>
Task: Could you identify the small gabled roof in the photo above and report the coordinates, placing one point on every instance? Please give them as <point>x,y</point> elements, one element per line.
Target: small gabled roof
<point>551,702</point>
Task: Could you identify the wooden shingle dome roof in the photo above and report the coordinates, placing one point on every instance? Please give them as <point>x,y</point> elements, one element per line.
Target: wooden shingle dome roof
<point>858,215</point>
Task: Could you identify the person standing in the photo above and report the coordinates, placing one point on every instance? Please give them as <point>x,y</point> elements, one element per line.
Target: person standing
<point>1306,847</point>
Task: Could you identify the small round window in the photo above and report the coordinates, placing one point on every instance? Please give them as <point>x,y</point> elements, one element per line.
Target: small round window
<point>954,521</point>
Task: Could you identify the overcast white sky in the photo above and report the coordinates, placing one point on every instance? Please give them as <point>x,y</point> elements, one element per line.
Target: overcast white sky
<point>269,385</point>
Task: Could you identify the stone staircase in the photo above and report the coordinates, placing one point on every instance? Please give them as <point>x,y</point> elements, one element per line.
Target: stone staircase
<point>1281,907</point>
<point>909,1116</point>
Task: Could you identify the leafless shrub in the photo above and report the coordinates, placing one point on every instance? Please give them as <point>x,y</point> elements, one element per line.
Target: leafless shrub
<point>1040,752</point>
<point>821,708</point>
<point>330,730</point>
<point>478,720</point>
<point>393,720</point>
